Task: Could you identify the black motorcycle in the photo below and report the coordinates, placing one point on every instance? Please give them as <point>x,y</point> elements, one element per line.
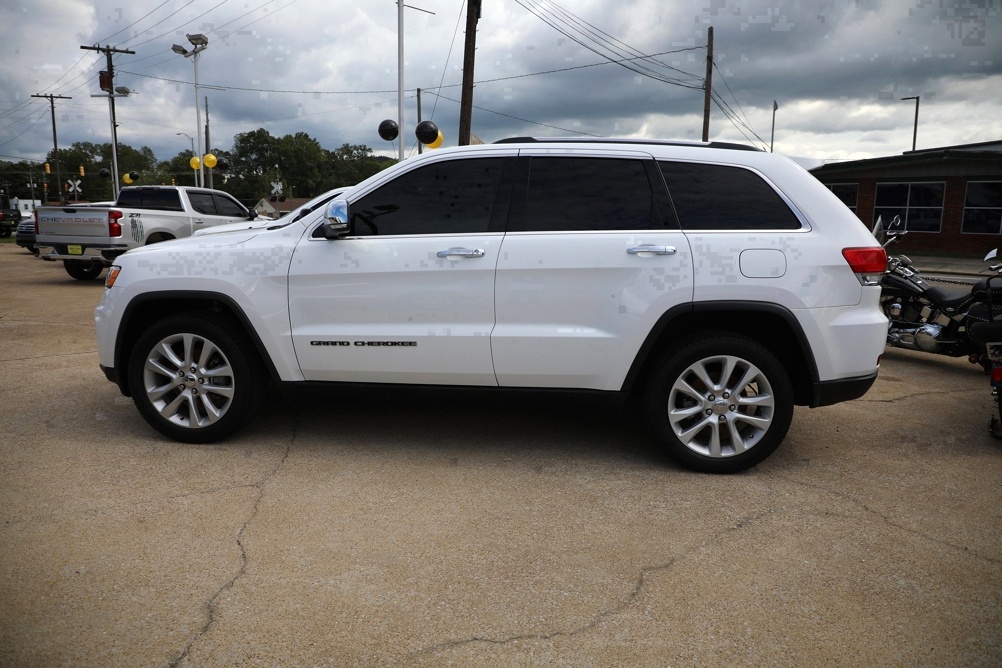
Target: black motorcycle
<point>930,318</point>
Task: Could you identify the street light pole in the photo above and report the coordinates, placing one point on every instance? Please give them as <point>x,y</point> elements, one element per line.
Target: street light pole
<point>200,43</point>
<point>191,141</point>
<point>400,70</point>
<point>915,128</point>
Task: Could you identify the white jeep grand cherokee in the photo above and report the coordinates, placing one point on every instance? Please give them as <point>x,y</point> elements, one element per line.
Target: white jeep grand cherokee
<point>719,285</point>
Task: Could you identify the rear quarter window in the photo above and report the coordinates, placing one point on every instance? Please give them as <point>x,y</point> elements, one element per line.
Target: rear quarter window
<point>162,200</point>
<point>719,197</point>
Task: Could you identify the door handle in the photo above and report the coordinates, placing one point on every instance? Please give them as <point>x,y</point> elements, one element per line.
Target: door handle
<point>461,252</point>
<point>653,250</point>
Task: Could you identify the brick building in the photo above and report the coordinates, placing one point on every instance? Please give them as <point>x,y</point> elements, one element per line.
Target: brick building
<point>950,199</point>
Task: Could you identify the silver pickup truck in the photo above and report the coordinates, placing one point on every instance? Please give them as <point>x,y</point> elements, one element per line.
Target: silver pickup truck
<point>87,238</point>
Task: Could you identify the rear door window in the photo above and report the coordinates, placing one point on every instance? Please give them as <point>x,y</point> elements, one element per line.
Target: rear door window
<point>718,197</point>
<point>588,194</point>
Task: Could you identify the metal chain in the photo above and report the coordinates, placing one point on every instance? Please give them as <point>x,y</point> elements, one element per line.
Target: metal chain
<point>947,280</point>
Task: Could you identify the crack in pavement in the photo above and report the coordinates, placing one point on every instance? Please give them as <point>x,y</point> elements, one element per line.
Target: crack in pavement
<point>602,615</point>
<point>886,519</point>
<point>939,393</point>
<point>213,600</point>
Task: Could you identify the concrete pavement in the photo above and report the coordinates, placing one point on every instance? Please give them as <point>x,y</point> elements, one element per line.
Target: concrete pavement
<point>345,530</point>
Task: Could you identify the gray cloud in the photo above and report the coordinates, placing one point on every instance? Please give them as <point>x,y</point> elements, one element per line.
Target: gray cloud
<point>837,69</point>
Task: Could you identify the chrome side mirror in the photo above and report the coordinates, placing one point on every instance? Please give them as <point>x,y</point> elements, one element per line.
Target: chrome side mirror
<point>335,219</point>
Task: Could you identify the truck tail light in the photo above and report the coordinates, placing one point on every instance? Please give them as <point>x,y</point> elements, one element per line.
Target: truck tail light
<point>114,227</point>
<point>867,263</point>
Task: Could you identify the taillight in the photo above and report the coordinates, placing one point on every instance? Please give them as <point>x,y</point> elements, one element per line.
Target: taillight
<point>867,263</point>
<point>114,227</point>
<point>997,374</point>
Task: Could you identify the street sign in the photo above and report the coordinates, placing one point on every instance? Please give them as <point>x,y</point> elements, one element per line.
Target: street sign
<point>276,187</point>
<point>74,186</point>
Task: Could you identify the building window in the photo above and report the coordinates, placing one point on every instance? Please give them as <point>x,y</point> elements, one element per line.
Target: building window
<point>920,205</point>
<point>846,192</point>
<point>983,208</point>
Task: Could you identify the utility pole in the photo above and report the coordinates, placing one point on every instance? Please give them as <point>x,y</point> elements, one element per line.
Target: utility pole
<point>469,56</point>
<point>107,50</point>
<point>708,84</point>
<point>55,141</point>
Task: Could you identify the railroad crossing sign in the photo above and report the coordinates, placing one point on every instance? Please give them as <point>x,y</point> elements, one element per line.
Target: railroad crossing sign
<point>276,187</point>
<point>74,186</point>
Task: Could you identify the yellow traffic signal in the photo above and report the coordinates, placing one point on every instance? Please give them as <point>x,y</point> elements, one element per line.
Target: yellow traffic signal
<point>47,171</point>
<point>82,171</point>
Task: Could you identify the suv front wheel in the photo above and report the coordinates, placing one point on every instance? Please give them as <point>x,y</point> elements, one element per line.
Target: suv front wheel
<point>719,404</point>
<point>195,378</point>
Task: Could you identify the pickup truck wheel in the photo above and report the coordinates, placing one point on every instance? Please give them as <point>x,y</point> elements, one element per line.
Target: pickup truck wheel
<point>83,270</point>
<point>719,404</point>
<point>195,378</point>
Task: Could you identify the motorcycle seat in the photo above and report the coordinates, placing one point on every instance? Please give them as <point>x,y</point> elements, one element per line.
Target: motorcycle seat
<point>949,298</point>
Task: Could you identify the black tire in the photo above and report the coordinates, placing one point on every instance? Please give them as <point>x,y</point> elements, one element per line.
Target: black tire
<point>83,270</point>
<point>717,424</point>
<point>195,377</point>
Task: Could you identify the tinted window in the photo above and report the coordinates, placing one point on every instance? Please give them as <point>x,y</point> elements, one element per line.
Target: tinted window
<point>847,192</point>
<point>567,194</point>
<point>202,203</point>
<point>920,205</point>
<point>452,197</point>
<point>227,207</point>
<point>715,197</point>
<point>164,200</point>
<point>983,208</point>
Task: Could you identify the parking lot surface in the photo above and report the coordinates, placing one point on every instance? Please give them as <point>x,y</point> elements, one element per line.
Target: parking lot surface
<point>430,530</point>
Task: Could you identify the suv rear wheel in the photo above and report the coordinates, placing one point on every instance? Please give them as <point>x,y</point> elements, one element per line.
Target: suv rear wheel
<point>195,378</point>
<point>719,404</point>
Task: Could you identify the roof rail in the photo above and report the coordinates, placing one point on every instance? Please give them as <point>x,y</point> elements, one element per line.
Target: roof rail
<point>612,140</point>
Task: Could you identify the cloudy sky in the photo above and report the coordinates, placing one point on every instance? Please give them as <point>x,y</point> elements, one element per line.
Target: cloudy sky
<point>837,69</point>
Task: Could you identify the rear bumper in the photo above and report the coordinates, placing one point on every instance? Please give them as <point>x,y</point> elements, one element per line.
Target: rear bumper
<point>103,254</point>
<point>830,392</point>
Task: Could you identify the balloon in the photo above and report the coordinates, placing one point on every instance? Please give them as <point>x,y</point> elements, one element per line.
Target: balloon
<point>127,178</point>
<point>426,132</point>
<point>210,160</point>
<point>438,141</point>
<point>389,130</point>
<point>195,162</point>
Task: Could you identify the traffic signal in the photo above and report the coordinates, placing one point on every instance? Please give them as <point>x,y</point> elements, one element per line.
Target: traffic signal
<point>46,186</point>
<point>82,171</point>
<point>47,170</point>
<point>104,80</point>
